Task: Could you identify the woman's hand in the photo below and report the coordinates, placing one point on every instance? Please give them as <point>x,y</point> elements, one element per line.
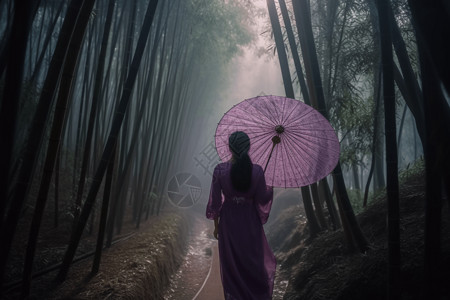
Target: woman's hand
<point>216,228</point>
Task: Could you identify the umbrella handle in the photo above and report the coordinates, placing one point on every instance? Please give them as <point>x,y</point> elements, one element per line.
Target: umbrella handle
<point>275,140</point>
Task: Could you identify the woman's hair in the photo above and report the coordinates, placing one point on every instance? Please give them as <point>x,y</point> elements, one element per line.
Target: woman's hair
<point>241,168</point>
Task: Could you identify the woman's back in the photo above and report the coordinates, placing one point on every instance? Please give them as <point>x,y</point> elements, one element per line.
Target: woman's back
<point>247,263</point>
<point>258,193</point>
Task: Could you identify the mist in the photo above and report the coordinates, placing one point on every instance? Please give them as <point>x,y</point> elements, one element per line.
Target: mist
<point>108,115</point>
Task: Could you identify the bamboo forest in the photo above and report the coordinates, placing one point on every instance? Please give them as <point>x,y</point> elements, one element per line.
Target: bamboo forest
<point>225,149</point>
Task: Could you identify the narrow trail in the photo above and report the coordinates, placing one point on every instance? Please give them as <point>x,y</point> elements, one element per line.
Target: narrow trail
<point>198,277</point>
<point>212,286</point>
<point>194,269</point>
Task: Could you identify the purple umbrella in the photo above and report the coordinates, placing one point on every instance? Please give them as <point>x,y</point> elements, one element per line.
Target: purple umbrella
<point>309,147</point>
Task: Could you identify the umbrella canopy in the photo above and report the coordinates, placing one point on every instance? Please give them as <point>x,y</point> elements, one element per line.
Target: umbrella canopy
<point>309,147</point>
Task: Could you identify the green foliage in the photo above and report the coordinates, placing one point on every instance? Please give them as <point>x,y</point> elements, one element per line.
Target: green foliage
<point>217,28</point>
<point>356,199</point>
<point>217,31</point>
<point>413,169</point>
<point>352,117</point>
<point>345,46</point>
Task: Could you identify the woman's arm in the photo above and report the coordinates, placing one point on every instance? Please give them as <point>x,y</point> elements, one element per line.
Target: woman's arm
<point>215,197</point>
<point>215,201</point>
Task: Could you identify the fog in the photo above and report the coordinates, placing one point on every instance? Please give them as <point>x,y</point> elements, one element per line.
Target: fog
<point>109,110</point>
<point>254,71</point>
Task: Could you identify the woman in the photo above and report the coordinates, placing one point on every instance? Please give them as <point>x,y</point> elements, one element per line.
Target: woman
<point>247,264</point>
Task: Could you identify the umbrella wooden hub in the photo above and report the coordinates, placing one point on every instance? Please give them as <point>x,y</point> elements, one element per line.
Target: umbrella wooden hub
<point>279,129</point>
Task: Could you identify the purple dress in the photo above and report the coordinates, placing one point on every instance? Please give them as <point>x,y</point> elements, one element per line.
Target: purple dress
<point>247,264</point>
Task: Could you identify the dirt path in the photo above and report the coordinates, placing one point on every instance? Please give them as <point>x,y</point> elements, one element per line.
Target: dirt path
<point>190,277</point>
<point>212,287</point>
<point>198,277</point>
<point>128,269</point>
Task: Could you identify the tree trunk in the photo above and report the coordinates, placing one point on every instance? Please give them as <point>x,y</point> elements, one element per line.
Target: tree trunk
<point>354,169</point>
<point>345,223</point>
<point>377,146</point>
<point>127,162</point>
<point>433,65</point>
<point>11,96</point>
<point>393,220</point>
<point>400,130</point>
<point>434,166</point>
<point>435,35</point>
<point>412,87</point>
<point>312,100</point>
<point>278,36</point>
<point>303,21</point>
<point>294,51</point>
<point>103,217</point>
<point>377,87</point>
<point>95,103</point>
<point>48,37</point>
<point>318,206</point>
<point>323,186</point>
<point>5,42</point>
<point>112,215</point>
<point>31,149</point>
<point>112,139</point>
<point>379,181</point>
<point>55,138</point>
<point>284,65</point>
<point>330,20</point>
<point>56,178</point>
<point>314,227</point>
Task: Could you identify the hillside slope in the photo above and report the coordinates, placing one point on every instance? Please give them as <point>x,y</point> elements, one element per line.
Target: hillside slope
<point>325,269</point>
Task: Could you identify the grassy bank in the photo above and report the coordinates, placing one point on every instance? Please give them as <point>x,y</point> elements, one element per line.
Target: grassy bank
<point>138,268</point>
<point>325,269</point>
